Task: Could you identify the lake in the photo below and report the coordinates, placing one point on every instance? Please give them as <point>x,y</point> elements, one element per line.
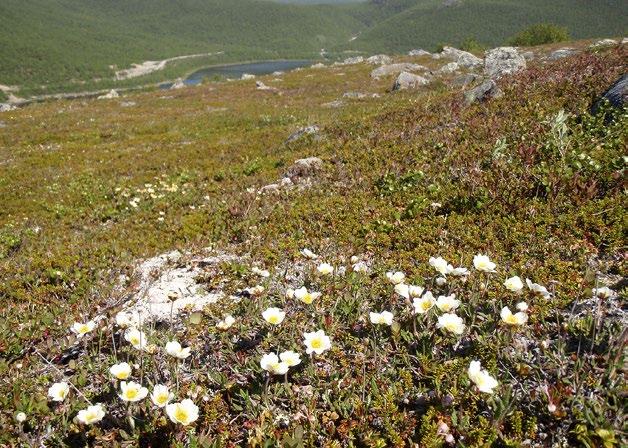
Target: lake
<point>235,71</point>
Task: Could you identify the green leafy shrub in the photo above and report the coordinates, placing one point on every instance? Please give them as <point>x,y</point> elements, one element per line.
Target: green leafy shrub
<point>539,34</point>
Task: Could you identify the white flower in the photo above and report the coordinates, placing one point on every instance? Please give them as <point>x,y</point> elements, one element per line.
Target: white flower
<point>361,266</point>
<point>354,259</point>
<point>173,348</point>
<point>395,277</point>
<point>289,293</point>
<point>290,358</point>
<point>132,391</point>
<point>255,291</point>
<point>460,272</point>
<point>260,272</point>
<point>226,323</point>
<point>514,284</point>
<point>519,318</point>
<point>383,318</point>
<point>58,391</point>
<point>538,290</point>
<point>403,290</point>
<point>184,412</point>
<point>121,371</point>
<point>325,269</point>
<point>305,296</point>
<point>441,265</point>
<point>126,319</point>
<point>481,378</point>
<point>93,414</point>
<point>161,395</point>
<point>415,291</point>
<point>81,329</point>
<point>307,253</point>
<point>136,338</point>
<point>316,342</point>
<point>274,316</point>
<point>270,362</point>
<point>447,303</point>
<point>483,263</point>
<point>603,293</point>
<point>522,306</point>
<point>424,304</point>
<point>440,281</point>
<point>20,417</point>
<point>451,322</point>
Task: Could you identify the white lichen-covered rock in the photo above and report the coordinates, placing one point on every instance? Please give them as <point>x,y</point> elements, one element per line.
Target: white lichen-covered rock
<point>259,85</point>
<point>6,107</point>
<point>351,61</point>
<point>247,76</point>
<point>603,43</point>
<point>379,59</point>
<point>333,104</point>
<point>562,53</point>
<point>407,80</point>
<point>503,61</point>
<point>419,52</point>
<point>109,95</point>
<point>319,65</point>
<point>166,287</point>
<point>393,69</point>
<point>304,167</point>
<point>178,84</point>
<point>448,68</point>
<point>463,58</point>
<point>312,130</point>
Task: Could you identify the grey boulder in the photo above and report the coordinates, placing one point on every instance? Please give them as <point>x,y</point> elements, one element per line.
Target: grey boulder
<point>488,89</point>
<point>407,80</point>
<point>503,61</point>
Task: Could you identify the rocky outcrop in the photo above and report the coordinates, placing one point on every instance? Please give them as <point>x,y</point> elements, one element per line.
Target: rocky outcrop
<point>351,61</point>
<point>304,167</point>
<point>312,130</point>
<point>178,84</point>
<point>488,89</point>
<point>379,59</point>
<point>109,95</point>
<point>448,68</point>
<point>319,65</point>
<point>407,81</point>
<point>393,69</point>
<point>616,96</point>
<point>463,58</point>
<point>561,53</point>
<point>419,52</point>
<point>6,107</point>
<point>299,175</point>
<point>465,80</point>
<point>503,61</point>
<point>603,44</point>
<point>247,76</point>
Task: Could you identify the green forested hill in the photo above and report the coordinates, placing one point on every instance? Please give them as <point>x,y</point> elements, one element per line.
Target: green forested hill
<point>428,23</point>
<point>57,42</point>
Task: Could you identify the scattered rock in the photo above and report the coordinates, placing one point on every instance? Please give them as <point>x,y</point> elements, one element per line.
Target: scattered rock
<point>393,69</point>
<point>178,84</point>
<point>603,43</point>
<point>528,55</point>
<point>488,89</point>
<point>503,61</point>
<point>351,61</point>
<point>562,53</point>
<point>302,132</point>
<point>624,41</point>
<point>448,68</point>
<point>3,124</point>
<point>360,95</point>
<point>259,85</point>
<point>304,167</point>
<point>109,95</point>
<point>616,96</point>
<point>463,58</point>
<point>465,80</point>
<point>164,277</point>
<point>419,52</point>
<point>128,103</point>
<point>319,65</point>
<point>379,59</point>
<point>247,76</point>
<point>334,104</point>
<point>277,73</point>
<point>407,80</point>
<point>6,107</point>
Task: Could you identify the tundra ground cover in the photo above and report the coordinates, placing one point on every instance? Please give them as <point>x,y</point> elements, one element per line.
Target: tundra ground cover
<point>529,179</point>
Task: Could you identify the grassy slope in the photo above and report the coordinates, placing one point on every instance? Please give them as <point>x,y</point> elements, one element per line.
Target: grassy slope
<point>491,22</point>
<point>60,40</point>
<point>66,233</point>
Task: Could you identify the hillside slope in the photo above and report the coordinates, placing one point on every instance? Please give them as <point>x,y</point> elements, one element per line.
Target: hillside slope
<point>429,23</point>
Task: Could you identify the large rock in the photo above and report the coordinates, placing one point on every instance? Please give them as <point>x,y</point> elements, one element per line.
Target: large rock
<point>488,89</point>
<point>407,80</point>
<point>463,58</point>
<point>603,43</point>
<point>616,96</point>
<point>305,167</point>
<point>6,107</point>
<point>393,69</point>
<point>419,52</point>
<point>247,76</point>
<point>465,79</point>
<point>503,61</point>
<point>109,95</point>
<point>448,68</point>
<point>352,61</point>
<point>562,53</point>
<point>379,59</point>
<point>302,132</point>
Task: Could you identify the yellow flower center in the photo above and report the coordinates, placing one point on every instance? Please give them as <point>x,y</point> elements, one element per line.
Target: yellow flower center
<point>84,329</point>
<point>308,298</point>
<point>274,319</point>
<point>181,414</point>
<point>317,343</point>
<point>512,319</point>
<point>131,393</point>
<point>162,398</point>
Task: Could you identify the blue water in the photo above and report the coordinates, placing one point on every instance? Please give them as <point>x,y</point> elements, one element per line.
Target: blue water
<point>235,71</point>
